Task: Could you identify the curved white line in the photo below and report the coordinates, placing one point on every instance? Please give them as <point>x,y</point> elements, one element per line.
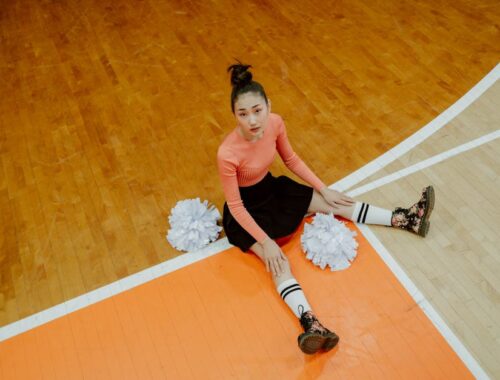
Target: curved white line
<point>425,163</point>
<point>168,266</point>
<point>432,127</point>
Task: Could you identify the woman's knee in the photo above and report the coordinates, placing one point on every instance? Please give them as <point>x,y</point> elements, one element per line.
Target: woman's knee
<point>318,204</point>
<point>287,271</point>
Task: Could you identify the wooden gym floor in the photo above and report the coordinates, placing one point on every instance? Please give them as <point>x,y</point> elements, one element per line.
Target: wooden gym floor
<point>111,113</point>
<point>220,318</point>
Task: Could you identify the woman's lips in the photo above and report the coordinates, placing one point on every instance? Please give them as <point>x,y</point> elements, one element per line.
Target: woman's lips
<point>254,129</point>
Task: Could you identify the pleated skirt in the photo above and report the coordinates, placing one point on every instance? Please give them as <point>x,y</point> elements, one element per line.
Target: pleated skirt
<point>277,204</point>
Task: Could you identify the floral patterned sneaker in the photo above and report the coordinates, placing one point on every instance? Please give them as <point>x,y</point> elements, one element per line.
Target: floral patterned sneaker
<point>315,336</point>
<point>416,218</point>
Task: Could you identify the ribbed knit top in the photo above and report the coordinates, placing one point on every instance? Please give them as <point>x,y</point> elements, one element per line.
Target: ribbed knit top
<point>245,163</point>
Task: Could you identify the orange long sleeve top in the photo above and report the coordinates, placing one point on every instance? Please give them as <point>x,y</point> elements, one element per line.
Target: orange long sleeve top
<point>245,163</point>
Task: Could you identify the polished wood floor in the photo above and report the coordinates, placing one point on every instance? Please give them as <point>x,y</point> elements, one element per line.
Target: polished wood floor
<point>456,265</point>
<point>221,318</point>
<point>110,113</point>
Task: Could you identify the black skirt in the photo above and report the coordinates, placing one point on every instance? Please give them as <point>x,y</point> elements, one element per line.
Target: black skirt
<point>278,205</point>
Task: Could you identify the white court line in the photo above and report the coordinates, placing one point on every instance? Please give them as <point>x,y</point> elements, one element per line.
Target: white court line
<point>425,163</point>
<point>168,266</point>
<point>450,337</point>
<point>111,290</point>
<point>435,125</point>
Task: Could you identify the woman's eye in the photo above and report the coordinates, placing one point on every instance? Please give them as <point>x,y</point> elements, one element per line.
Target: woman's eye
<point>243,114</point>
<point>258,111</point>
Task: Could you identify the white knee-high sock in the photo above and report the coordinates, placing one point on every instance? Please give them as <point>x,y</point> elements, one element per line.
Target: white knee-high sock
<point>366,213</point>
<point>294,297</point>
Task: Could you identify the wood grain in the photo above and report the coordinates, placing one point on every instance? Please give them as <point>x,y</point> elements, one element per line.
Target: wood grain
<point>110,113</point>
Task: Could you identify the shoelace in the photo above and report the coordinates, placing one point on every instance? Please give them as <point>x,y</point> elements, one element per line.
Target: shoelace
<point>300,309</point>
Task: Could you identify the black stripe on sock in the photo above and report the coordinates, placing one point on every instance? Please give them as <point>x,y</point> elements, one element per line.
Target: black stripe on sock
<point>366,212</point>
<point>361,212</point>
<point>291,291</point>
<point>289,287</point>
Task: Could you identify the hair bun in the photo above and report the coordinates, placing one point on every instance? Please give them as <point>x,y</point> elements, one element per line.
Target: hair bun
<point>240,76</point>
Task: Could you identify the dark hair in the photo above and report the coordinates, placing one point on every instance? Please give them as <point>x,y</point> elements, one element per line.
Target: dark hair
<point>241,80</point>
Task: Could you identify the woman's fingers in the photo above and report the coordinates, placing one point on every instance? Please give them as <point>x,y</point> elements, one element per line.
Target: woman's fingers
<point>281,265</point>
<point>276,267</point>
<point>333,204</point>
<point>344,203</point>
<point>282,255</point>
<point>346,198</point>
<point>272,269</point>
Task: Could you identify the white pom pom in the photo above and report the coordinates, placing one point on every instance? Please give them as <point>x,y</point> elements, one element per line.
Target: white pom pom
<point>193,225</point>
<point>327,241</point>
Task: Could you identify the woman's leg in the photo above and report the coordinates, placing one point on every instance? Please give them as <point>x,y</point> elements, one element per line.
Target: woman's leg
<point>357,212</point>
<point>280,278</point>
<point>414,219</point>
<point>318,204</point>
<point>315,336</point>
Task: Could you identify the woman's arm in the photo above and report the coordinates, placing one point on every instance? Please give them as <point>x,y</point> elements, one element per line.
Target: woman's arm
<point>293,161</point>
<point>227,172</point>
<point>296,165</point>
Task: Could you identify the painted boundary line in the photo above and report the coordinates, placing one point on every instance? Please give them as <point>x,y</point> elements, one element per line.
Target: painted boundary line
<point>435,125</point>
<point>111,290</point>
<point>455,343</point>
<point>168,266</point>
<point>425,163</point>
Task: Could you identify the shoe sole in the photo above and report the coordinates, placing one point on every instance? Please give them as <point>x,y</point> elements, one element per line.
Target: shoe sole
<point>425,224</point>
<point>310,343</point>
<point>331,341</point>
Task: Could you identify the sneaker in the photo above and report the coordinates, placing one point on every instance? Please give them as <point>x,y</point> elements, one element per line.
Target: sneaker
<point>315,336</point>
<point>416,218</point>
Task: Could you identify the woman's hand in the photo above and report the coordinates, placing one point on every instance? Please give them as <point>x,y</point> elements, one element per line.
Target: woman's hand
<point>273,257</point>
<point>335,198</point>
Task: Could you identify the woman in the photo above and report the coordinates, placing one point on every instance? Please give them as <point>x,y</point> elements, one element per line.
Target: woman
<point>260,208</point>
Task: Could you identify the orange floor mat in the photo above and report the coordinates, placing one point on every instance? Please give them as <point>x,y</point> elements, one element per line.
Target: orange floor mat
<point>221,318</point>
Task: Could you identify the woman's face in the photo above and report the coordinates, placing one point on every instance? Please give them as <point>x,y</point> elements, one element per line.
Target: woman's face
<point>251,112</point>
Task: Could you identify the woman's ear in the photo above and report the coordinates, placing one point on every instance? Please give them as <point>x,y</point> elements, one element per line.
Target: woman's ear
<point>269,105</point>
